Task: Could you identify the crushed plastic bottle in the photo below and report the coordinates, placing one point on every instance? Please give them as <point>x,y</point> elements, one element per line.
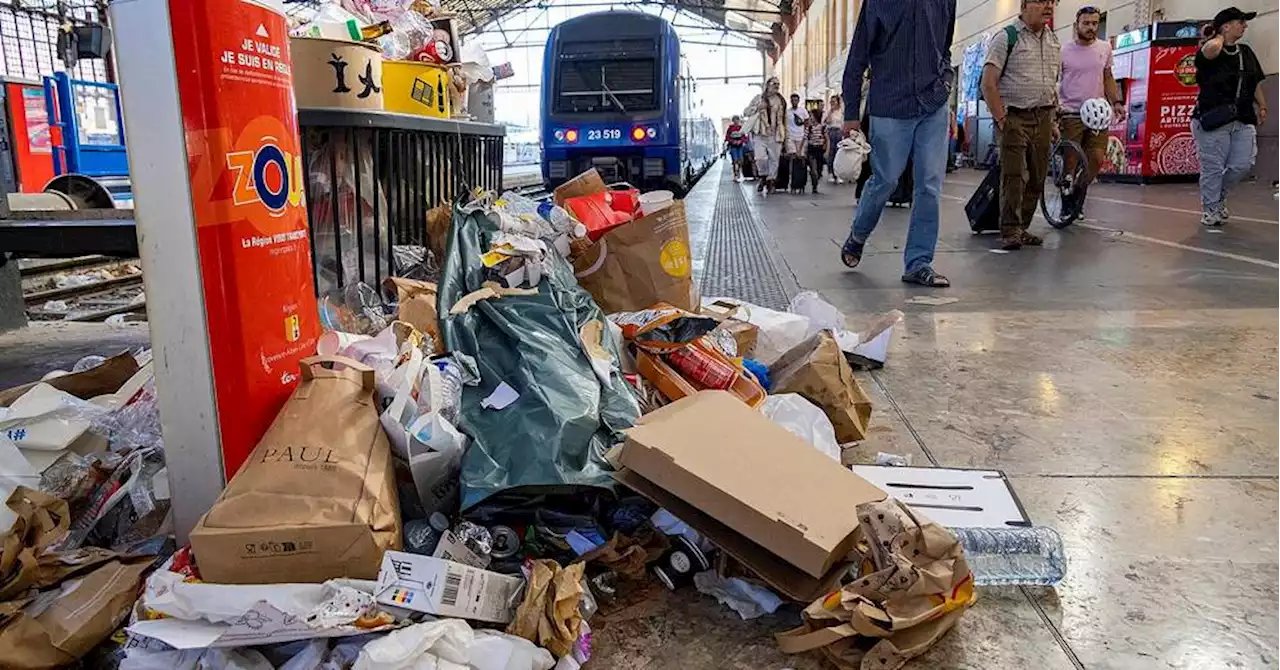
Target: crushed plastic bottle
<point>1012,556</point>
<point>88,363</point>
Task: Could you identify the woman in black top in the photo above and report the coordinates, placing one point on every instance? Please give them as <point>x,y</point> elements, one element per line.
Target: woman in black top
<point>1225,120</point>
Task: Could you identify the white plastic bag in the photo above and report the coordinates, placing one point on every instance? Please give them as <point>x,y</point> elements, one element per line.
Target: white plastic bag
<point>850,154</point>
<point>748,600</point>
<point>805,420</point>
<point>498,651</point>
<point>779,331</point>
<point>435,645</point>
<point>822,315</point>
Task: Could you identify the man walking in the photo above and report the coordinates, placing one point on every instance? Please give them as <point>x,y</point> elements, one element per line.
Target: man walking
<point>1086,74</point>
<point>907,45</point>
<point>767,132</point>
<point>1020,85</point>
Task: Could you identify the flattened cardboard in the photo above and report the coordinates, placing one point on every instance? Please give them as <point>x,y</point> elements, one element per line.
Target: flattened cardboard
<point>96,381</point>
<point>444,588</point>
<point>584,184</point>
<point>752,475</point>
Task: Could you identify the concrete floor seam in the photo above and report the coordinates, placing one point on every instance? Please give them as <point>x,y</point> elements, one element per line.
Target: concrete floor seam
<point>897,409</point>
<point>1053,629</point>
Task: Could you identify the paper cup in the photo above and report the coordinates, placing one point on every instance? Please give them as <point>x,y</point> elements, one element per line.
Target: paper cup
<point>333,342</point>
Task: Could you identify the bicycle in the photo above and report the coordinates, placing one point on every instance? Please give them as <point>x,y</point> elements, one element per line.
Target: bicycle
<point>1060,202</point>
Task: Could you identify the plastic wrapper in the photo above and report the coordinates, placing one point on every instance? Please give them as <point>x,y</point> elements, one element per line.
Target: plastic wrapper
<point>532,344</point>
<point>135,425</point>
<point>409,32</point>
<point>749,600</point>
<point>822,315</point>
<point>477,538</point>
<point>415,262</point>
<point>358,308</point>
<point>663,328</point>
<point>805,420</point>
<point>131,505</point>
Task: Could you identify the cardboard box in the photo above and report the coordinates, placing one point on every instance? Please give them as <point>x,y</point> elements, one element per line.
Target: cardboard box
<point>753,477</point>
<point>447,589</point>
<point>817,370</point>
<point>355,82</point>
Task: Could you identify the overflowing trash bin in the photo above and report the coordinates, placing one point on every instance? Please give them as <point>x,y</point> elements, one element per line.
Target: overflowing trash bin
<point>470,468</point>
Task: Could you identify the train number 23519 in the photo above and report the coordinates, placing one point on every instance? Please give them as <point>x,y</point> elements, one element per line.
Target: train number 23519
<point>604,134</point>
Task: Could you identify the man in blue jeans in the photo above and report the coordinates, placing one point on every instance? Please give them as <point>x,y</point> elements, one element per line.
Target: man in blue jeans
<point>907,45</point>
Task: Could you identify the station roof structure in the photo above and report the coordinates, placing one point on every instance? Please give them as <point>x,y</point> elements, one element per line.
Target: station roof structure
<point>767,22</point>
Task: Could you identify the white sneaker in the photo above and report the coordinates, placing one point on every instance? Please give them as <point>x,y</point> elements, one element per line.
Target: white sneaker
<point>832,179</point>
<point>1211,219</point>
<point>1224,214</point>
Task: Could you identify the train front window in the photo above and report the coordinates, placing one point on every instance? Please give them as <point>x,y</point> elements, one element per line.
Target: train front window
<point>608,76</point>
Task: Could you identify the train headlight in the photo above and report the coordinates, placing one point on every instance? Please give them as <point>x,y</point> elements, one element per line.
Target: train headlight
<point>571,136</point>
<point>638,134</point>
<point>559,135</point>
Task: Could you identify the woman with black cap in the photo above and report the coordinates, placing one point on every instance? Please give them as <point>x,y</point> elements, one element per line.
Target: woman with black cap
<point>1225,121</point>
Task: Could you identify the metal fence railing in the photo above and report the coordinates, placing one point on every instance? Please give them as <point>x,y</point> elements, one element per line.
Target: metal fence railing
<point>371,178</point>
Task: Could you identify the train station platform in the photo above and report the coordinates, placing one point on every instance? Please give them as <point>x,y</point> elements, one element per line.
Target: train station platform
<point>1123,376</point>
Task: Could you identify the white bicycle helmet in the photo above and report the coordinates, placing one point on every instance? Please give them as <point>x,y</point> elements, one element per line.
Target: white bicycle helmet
<point>1095,113</point>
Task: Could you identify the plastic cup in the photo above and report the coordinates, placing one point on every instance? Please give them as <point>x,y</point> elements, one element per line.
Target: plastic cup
<point>654,201</point>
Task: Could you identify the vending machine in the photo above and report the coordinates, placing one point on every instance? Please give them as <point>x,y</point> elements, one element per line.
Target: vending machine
<point>1155,67</point>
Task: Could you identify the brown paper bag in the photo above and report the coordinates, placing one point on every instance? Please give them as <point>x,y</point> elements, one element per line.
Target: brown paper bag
<point>316,499</point>
<point>418,307</point>
<point>59,626</point>
<point>911,589</point>
<point>548,615</point>
<point>817,370</point>
<point>640,264</point>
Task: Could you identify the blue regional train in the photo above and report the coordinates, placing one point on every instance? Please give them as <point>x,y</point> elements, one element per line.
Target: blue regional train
<point>617,96</point>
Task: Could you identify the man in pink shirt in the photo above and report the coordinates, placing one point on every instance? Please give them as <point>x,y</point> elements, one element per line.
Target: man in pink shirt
<point>1086,74</point>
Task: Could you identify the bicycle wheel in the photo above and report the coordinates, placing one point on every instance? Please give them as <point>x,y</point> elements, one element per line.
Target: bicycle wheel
<point>1060,201</point>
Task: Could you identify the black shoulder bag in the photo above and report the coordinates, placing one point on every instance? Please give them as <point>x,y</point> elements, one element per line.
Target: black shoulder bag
<point>1220,115</point>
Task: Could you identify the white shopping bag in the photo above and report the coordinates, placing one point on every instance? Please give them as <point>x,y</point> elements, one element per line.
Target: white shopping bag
<point>850,154</point>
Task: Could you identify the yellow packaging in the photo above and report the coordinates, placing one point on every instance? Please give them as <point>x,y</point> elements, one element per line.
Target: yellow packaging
<point>410,87</point>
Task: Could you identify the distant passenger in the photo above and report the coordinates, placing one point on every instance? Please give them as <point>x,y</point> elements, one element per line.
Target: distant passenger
<point>1020,85</point>
<point>834,121</point>
<point>735,142</point>
<point>768,129</point>
<point>815,146</point>
<point>909,53</point>
<point>794,152</point>
<point>1086,74</point>
<point>1225,122</point>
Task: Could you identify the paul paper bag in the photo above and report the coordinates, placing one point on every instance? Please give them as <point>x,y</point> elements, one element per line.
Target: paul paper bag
<point>316,499</point>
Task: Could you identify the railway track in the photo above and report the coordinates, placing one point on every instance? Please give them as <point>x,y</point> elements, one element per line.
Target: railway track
<point>88,288</point>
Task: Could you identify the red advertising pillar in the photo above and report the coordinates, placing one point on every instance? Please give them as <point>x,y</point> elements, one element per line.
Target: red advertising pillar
<point>214,156</point>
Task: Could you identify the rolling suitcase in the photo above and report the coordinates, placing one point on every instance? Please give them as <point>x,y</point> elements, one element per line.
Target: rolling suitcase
<point>983,208</point>
<point>799,173</point>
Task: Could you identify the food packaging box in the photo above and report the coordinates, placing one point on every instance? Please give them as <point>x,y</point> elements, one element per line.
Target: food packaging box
<point>444,588</point>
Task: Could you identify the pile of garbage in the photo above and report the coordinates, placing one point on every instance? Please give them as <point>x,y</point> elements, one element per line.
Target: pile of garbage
<point>470,468</point>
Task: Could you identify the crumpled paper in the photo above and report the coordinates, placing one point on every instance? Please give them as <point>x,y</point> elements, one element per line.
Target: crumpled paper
<point>548,615</point>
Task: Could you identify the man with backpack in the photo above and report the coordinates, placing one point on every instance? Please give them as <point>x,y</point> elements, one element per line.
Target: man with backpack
<point>1020,86</point>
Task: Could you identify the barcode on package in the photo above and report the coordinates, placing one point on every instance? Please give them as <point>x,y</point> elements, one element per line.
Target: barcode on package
<point>452,582</point>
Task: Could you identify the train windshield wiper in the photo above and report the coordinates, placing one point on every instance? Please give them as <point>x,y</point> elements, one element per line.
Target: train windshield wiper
<point>605,88</point>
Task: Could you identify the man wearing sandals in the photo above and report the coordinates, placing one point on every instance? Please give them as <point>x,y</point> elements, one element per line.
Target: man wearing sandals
<point>907,47</point>
<point>1020,85</point>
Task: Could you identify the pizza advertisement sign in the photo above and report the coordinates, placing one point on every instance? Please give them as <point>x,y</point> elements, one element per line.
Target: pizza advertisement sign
<point>1171,99</point>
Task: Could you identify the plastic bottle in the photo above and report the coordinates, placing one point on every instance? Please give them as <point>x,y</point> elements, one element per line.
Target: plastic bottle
<point>1009,556</point>
<point>451,390</point>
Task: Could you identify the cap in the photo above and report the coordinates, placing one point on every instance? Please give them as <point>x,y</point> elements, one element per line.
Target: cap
<point>1232,14</point>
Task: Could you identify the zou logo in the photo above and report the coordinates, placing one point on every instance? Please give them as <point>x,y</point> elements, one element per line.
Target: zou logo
<point>267,175</point>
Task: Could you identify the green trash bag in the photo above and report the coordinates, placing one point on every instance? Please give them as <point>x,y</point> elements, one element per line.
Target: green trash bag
<point>551,440</point>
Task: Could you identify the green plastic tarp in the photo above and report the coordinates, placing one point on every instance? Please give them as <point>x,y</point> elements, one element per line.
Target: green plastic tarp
<point>553,438</point>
